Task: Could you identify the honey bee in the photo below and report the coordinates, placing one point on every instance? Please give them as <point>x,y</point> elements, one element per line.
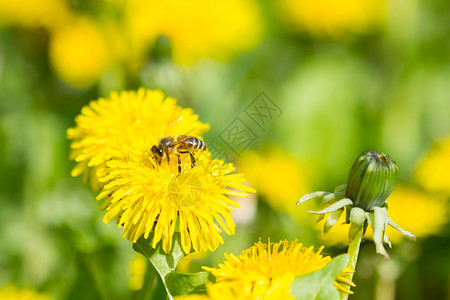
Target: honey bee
<point>180,144</point>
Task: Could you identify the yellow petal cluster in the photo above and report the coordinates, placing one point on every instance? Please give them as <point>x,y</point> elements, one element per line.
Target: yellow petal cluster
<point>268,268</point>
<point>277,288</point>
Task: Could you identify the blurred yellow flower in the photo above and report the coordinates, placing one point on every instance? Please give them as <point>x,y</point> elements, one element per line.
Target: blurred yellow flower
<point>79,52</point>
<point>275,175</point>
<point>107,128</point>
<point>264,269</point>
<point>433,172</point>
<point>138,267</point>
<point>10,292</point>
<point>333,18</point>
<point>419,212</point>
<point>185,263</point>
<point>338,235</point>
<point>34,13</point>
<point>196,29</point>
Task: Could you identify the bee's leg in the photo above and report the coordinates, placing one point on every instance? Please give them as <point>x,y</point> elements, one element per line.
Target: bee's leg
<point>168,158</point>
<point>179,163</point>
<point>192,157</point>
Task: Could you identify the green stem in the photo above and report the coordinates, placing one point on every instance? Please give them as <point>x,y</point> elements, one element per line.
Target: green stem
<point>353,251</point>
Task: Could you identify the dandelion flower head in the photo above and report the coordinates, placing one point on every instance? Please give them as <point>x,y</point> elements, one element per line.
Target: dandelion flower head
<point>112,143</point>
<point>268,264</point>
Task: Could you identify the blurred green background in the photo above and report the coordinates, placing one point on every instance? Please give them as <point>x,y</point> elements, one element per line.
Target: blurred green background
<point>347,76</point>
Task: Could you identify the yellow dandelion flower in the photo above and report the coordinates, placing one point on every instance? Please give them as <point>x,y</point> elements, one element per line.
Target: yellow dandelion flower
<point>112,143</point>
<point>10,292</point>
<point>433,171</point>
<point>138,267</point>
<point>333,18</point>
<point>263,266</point>
<point>276,175</point>
<point>196,29</point>
<point>107,128</point>
<point>79,52</point>
<point>277,288</point>
<point>145,197</point>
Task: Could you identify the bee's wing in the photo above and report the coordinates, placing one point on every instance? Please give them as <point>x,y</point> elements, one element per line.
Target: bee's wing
<point>173,121</point>
<point>198,131</point>
<point>194,132</point>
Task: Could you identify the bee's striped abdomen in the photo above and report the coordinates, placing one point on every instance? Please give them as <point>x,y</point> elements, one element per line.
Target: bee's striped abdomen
<point>193,144</point>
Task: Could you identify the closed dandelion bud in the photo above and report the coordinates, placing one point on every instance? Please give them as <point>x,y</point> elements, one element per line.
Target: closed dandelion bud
<point>371,180</point>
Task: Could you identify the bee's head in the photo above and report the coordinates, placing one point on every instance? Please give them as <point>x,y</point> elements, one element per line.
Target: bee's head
<point>157,152</point>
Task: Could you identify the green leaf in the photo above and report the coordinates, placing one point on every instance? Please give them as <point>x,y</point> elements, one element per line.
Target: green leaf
<point>187,283</point>
<point>319,285</point>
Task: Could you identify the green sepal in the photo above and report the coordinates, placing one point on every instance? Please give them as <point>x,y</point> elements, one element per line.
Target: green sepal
<point>319,285</point>
<point>332,220</point>
<point>311,196</point>
<point>341,188</point>
<point>379,223</point>
<point>404,232</point>
<point>328,200</point>
<point>335,206</point>
<point>347,214</point>
<point>357,218</point>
